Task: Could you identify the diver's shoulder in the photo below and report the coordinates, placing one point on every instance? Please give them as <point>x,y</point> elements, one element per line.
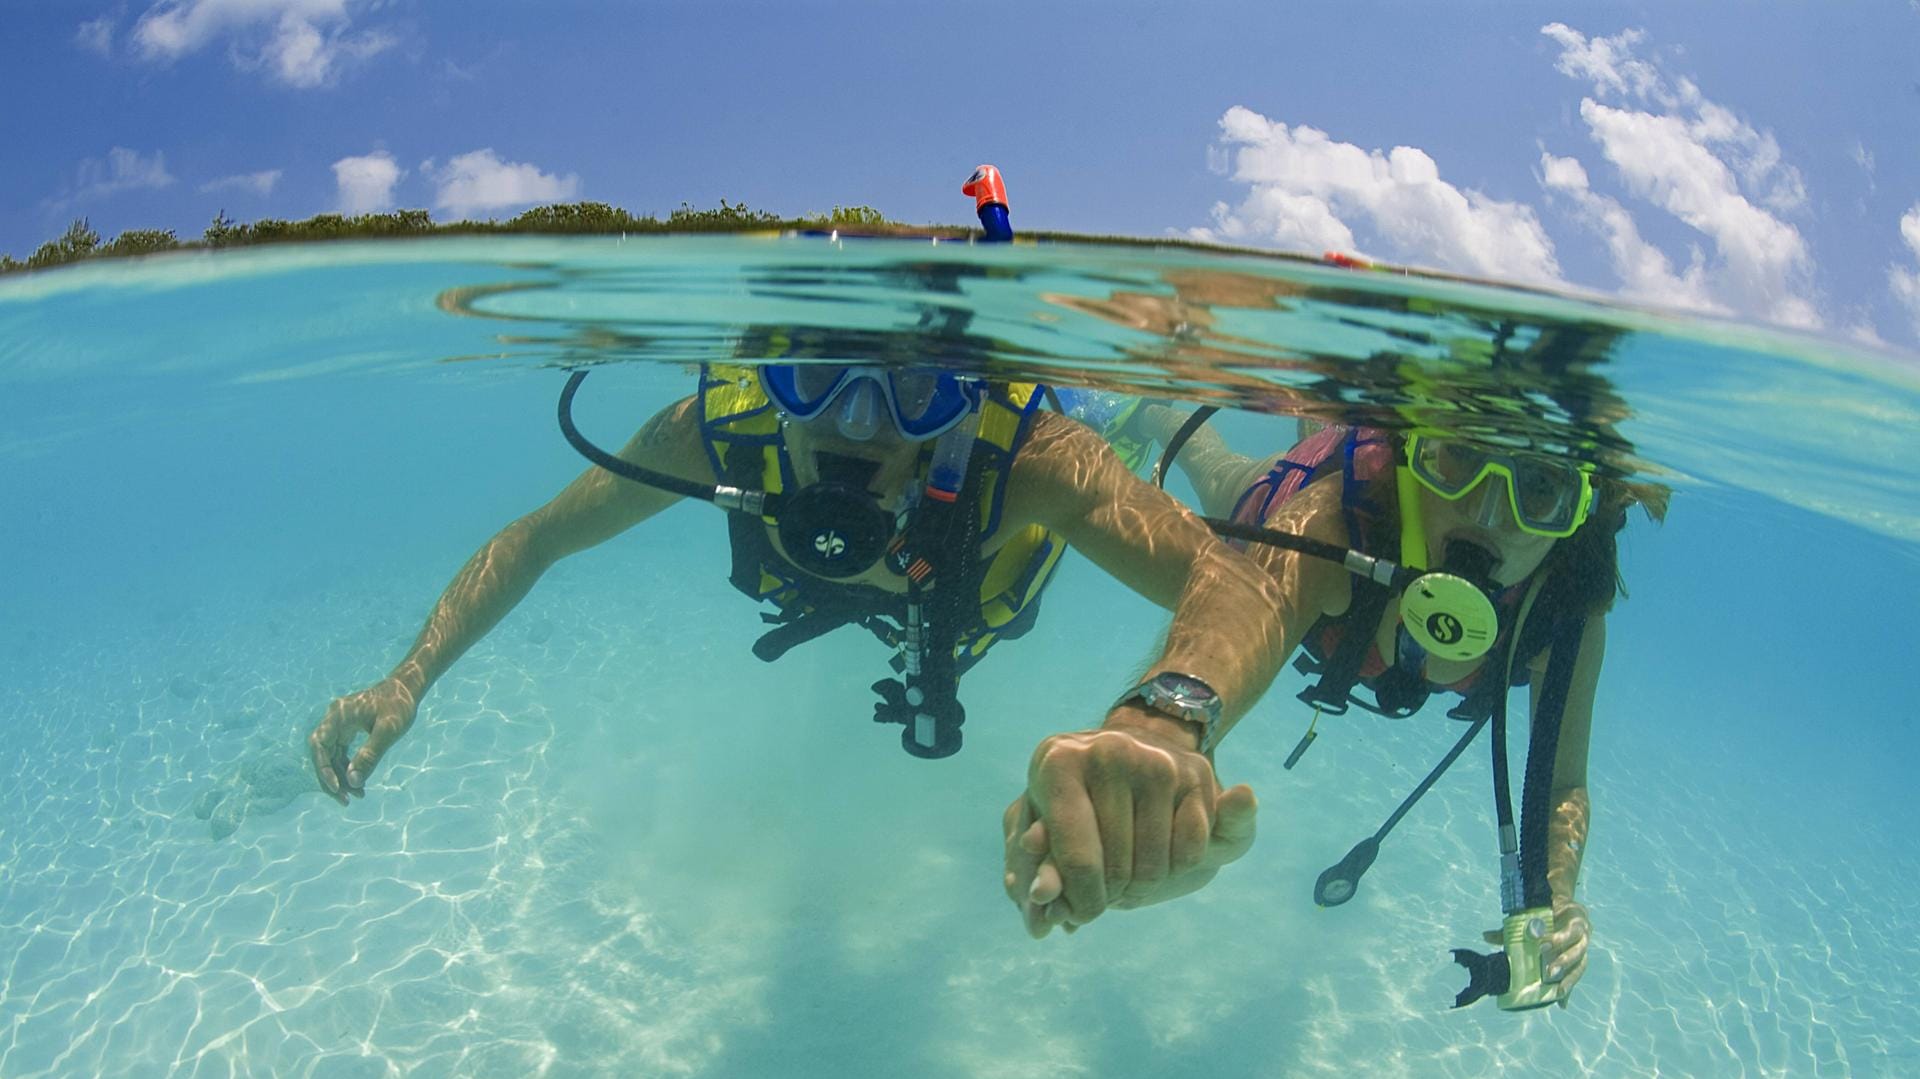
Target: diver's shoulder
<point>1053,437</point>
<point>1061,454</point>
<point>672,439</point>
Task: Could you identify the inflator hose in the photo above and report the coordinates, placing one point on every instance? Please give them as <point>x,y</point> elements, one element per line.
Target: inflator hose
<point>674,484</point>
<point>1543,745</point>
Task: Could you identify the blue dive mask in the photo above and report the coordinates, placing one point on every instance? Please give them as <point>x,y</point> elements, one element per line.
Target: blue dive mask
<point>923,403</point>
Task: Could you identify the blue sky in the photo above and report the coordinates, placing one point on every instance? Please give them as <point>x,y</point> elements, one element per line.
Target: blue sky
<point>1758,160</point>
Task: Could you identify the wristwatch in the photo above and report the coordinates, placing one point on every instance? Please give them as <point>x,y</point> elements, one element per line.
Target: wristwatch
<point>1182,697</point>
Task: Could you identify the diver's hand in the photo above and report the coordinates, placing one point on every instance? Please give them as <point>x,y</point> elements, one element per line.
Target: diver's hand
<point>1034,882</point>
<point>1563,952</point>
<point>1118,818</point>
<point>383,712</point>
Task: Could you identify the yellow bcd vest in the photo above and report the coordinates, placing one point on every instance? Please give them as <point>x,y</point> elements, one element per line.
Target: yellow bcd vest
<point>737,417</point>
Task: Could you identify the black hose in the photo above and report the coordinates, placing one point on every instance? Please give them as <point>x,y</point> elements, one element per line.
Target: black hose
<point>1249,533</point>
<point>1433,777</point>
<point>1199,416</point>
<point>1339,881</point>
<point>1542,747</point>
<point>1502,795</point>
<point>1306,545</point>
<point>674,484</point>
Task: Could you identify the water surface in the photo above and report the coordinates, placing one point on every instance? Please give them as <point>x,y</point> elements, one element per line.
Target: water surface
<point>234,484</point>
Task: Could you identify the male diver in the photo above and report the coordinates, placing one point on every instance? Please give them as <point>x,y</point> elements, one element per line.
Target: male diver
<point>929,508</point>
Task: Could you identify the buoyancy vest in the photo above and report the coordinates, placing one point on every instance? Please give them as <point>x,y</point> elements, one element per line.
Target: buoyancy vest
<point>1342,649</point>
<point>740,429</point>
<point>1111,415</point>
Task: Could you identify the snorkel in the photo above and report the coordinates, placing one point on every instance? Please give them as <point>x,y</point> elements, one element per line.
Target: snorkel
<point>924,701</point>
<point>989,202</point>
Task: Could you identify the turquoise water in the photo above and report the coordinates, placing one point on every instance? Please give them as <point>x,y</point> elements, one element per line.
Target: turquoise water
<point>232,486</point>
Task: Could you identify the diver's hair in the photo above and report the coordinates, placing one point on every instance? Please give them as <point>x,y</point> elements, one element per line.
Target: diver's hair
<point>1583,570</point>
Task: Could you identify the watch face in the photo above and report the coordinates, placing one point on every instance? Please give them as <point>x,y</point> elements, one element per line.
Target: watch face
<point>1191,689</point>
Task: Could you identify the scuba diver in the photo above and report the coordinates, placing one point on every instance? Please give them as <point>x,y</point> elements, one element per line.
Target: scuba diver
<point>930,508</point>
<point>931,511</point>
<point>1523,570</point>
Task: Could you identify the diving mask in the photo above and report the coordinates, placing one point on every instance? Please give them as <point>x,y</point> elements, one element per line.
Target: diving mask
<point>1547,497</point>
<point>922,403</point>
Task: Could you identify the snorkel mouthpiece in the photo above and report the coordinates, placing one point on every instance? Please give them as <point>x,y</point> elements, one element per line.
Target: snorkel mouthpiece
<point>1447,612</point>
<point>1469,560</point>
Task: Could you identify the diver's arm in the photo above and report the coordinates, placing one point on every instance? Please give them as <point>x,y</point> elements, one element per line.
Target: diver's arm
<point>1570,807</point>
<point>1132,813</point>
<point>592,509</point>
<point>1233,624</point>
<point>1567,840</point>
<point>1218,474</point>
<point>1563,954</point>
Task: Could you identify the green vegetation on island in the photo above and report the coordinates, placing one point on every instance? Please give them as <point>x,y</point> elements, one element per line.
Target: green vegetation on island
<point>80,241</point>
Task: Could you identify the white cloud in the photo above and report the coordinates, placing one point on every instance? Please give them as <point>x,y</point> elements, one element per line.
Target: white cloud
<point>96,35</point>
<point>301,43</point>
<point>1863,157</point>
<point>253,183</point>
<point>1764,265</point>
<point>1859,326</point>
<point>1704,165</point>
<point>366,183</point>
<point>1608,63</point>
<point>123,170</point>
<point>479,181</point>
<point>1645,271</point>
<point>1668,145</point>
<point>1905,283</point>
<point>1306,187</point>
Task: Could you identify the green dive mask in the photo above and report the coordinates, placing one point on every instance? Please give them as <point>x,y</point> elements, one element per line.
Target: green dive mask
<point>1547,497</point>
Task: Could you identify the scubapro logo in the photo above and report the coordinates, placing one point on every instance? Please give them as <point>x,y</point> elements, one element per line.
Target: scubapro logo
<point>828,544</point>
<point>1444,628</point>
